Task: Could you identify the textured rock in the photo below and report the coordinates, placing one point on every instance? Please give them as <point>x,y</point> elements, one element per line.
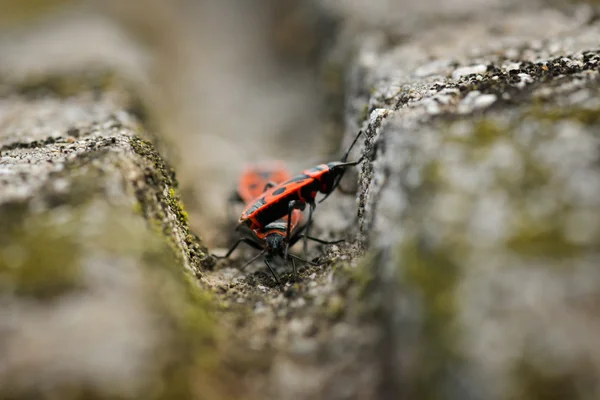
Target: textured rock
<point>96,257</point>
<point>481,199</point>
<point>474,270</point>
<point>477,210</point>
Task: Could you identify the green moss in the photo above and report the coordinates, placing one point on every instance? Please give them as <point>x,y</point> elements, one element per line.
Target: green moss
<point>542,238</point>
<point>535,176</point>
<point>184,214</point>
<point>533,384</point>
<point>359,277</point>
<point>163,173</point>
<point>362,275</point>
<point>354,286</point>
<point>485,132</point>
<point>433,173</point>
<point>159,196</point>
<point>553,114</point>
<point>434,275</point>
<point>364,114</point>
<point>43,255</point>
<point>191,359</point>
<point>137,208</point>
<point>19,12</point>
<point>39,258</point>
<point>335,307</point>
<point>177,207</point>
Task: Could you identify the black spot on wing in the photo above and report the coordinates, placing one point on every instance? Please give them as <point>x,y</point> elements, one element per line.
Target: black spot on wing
<point>279,191</point>
<point>255,206</point>
<point>265,174</point>
<point>253,186</point>
<point>298,178</point>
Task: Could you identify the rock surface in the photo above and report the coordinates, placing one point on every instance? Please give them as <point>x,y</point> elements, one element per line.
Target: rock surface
<point>96,258</point>
<point>477,206</point>
<point>470,269</point>
<point>481,204</point>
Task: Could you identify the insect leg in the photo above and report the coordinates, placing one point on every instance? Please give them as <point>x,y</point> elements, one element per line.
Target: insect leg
<point>308,221</point>
<point>295,270</point>
<point>273,272</point>
<point>303,260</point>
<point>248,263</point>
<point>351,163</point>
<point>314,239</point>
<point>292,205</point>
<point>232,249</point>
<point>285,260</point>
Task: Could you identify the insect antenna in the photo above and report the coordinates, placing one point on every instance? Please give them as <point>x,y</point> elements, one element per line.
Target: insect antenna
<point>351,146</point>
<point>344,164</point>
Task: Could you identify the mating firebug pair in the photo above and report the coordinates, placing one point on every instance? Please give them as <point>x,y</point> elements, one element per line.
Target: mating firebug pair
<point>271,238</point>
<point>270,218</point>
<point>295,193</point>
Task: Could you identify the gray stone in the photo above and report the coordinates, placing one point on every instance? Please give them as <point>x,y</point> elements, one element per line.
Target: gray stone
<point>470,266</point>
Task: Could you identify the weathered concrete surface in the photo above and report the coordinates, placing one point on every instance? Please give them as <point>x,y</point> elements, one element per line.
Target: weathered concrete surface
<point>474,270</point>
<point>97,263</point>
<point>478,207</point>
<point>481,201</point>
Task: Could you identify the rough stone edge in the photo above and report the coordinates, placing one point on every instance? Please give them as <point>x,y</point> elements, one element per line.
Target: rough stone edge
<point>160,204</point>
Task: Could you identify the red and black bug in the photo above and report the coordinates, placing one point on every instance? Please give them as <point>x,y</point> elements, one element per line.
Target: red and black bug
<point>272,241</point>
<point>272,238</point>
<point>293,194</point>
<point>255,179</point>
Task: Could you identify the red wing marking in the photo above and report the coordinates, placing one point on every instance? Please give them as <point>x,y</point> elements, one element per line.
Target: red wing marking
<point>283,189</point>
<point>255,177</point>
<point>269,197</point>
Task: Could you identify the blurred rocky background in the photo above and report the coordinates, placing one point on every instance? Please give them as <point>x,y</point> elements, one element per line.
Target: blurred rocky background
<point>471,265</point>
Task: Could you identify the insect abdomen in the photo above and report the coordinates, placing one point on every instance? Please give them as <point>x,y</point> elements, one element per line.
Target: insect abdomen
<point>275,210</point>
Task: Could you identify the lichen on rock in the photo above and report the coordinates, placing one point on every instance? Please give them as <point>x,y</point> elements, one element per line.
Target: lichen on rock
<point>95,302</point>
<point>489,209</point>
